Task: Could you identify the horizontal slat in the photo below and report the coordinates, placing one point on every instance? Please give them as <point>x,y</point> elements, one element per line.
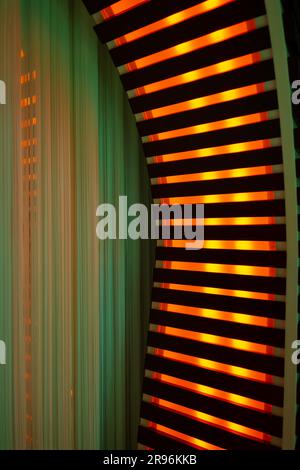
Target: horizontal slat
<point>261,308</point>
<point>237,257</point>
<point>228,281</point>
<point>267,393</point>
<point>248,360</point>
<point>243,209</point>
<point>222,186</point>
<point>139,17</point>
<point>155,440</point>
<point>268,156</point>
<point>256,334</point>
<point>197,26</point>
<point>262,102</point>
<point>213,435</point>
<point>262,130</point>
<point>256,73</point>
<point>254,41</point>
<point>265,423</point>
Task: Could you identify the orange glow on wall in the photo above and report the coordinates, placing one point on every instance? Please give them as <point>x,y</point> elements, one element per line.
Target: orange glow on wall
<point>171,20</point>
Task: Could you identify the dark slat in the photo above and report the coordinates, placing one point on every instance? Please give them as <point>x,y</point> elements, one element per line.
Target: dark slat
<point>264,392</point>
<point>249,360</point>
<point>199,430</point>
<point>218,408</point>
<point>252,42</point>
<point>268,156</point>
<point>238,257</point>
<point>271,182</point>
<point>236,108</point>
<point>200,25</point>
<point>261,308</point>
<point>243,209</point>
<point>155,440</point>
<point>228,281</point>
<point>256,73</point>
<point>256,334</point>
<point>233,232</point>
<point>262,130</point>
<point>140,16</point>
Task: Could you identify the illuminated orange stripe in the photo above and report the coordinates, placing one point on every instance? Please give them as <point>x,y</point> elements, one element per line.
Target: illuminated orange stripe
<point>216,198</point>
<point>216,366</point>
<point>120,7</point>
<point>192,441</point>
<point>216,69</point>
<point>171,20</point>
<point>214,151</point>
<point>218,340</point>
<point>215,126</point>
<point>221,174</point>
<point>217,291</point>
<point>229,245</point>
<point>210,100</point>
<point>219,315</point>
<point>212,420</point>
<point>195,44</point>
<point>213,392</point>
<point>221,268</point>
<point>224,221</point>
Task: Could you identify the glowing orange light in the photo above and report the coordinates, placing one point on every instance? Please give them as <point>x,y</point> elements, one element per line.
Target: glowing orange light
<point>192,441</point>
<point>229,245</point>
<point>218,291</point>
<point>221,174</point>
<point>213,392</point>
<point>225,221</point>
<point>221,268</point>
<point>215,126</point>
<point>212,151</point>
<point>216,69</point>
<point>194,44</point>
<point>212,420</point>
<point>220,315</point>
<point>216,366</point>
<point>210,100</point>
<point>120,7</point>
<point>215,198</point>
<point>172,20</point>
<point>220,340</point>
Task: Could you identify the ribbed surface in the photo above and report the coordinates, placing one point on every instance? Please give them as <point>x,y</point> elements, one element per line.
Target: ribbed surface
<point>201,85</point>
